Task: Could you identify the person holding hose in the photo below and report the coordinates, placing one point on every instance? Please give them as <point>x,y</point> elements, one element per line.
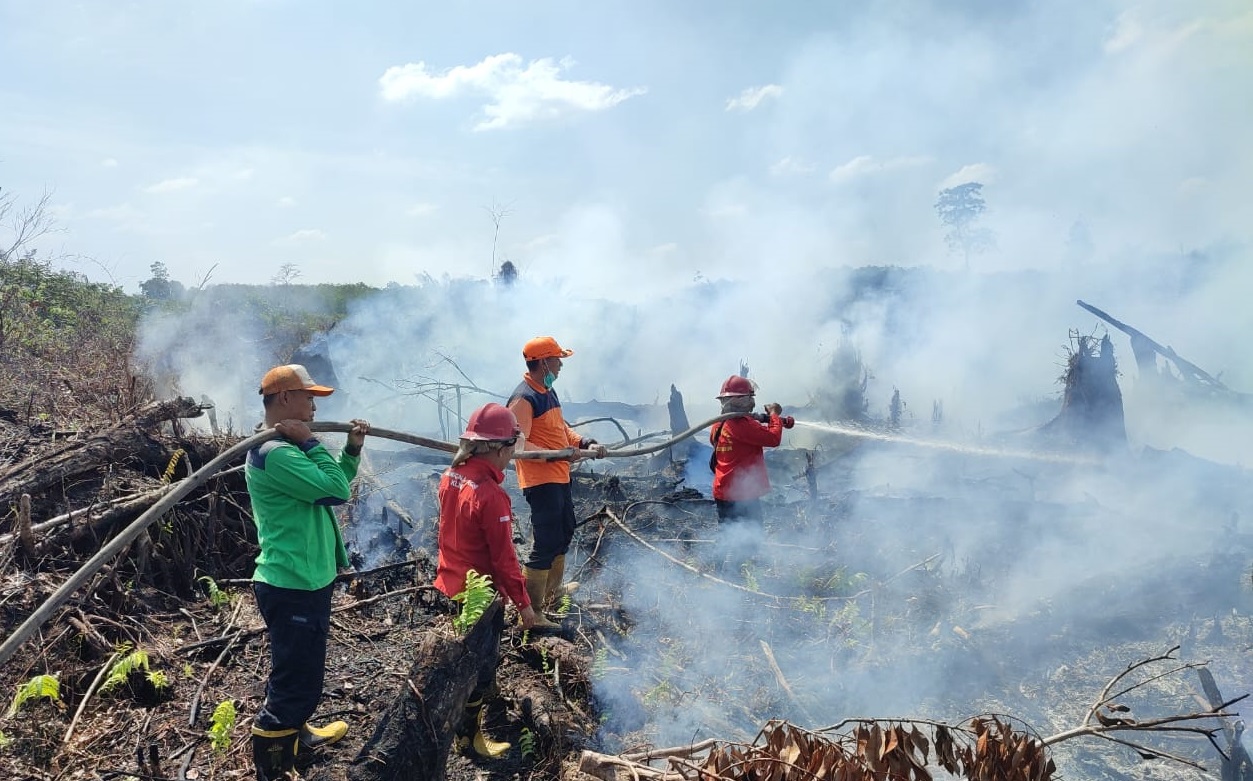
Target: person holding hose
<point>546,484</point>
<point>293,482</point>
<point>738,461</point>
<point>476,533</point>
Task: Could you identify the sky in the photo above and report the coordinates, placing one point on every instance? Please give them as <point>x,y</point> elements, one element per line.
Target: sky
<point>624,148</point>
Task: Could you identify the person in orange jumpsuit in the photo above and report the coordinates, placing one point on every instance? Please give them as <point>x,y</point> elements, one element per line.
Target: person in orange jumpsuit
<point>546,484</point>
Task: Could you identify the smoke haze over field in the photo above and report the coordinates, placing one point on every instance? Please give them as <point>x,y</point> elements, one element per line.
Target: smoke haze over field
<point>760,188</point>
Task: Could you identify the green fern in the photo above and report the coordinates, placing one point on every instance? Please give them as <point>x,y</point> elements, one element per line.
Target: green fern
<point>217,597</point>
<point>599,663</point>
<point>526,741</point>
<point>563,607</point>
<point>750,578</point>
<point>126,663</point>
<point>221,726</point>
<point>476,597</point>
<point>158,679</point>
<point>39,687</point>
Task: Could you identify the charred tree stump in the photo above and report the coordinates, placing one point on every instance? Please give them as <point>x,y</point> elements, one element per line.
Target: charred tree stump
<point>678,424</point>
<point>1092,412</point>
<point>414,735</point>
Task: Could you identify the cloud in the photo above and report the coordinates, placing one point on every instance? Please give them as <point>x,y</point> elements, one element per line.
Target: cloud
<point>752,97</point>
<point>303,237</point>
<point>108,162</point>
<point>865,165</point>
<point>172,185</point>
<point>975,172</point>
<point>421,209</point>
<point>1127,30</point>
<point>286,202</point>
<point>517,95</point>
<point>790,166</point>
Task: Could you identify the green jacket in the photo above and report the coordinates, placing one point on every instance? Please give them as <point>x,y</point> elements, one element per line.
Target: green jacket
<point>292,492</point>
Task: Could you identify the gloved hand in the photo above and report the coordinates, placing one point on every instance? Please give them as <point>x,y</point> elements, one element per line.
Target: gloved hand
<point>587,443</point>
<point>774,409</point>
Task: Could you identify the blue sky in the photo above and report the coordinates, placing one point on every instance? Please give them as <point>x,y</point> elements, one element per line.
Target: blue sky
<point>635,146</point>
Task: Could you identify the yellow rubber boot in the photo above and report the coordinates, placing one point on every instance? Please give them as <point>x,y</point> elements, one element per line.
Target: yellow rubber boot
<point>555,590</point>
<point>274,753</point>
<point>536,587</point>
<point>313,737</point>
<point>471,736</point>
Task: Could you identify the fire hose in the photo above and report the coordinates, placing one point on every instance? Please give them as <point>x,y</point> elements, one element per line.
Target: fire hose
<point>185,486</point>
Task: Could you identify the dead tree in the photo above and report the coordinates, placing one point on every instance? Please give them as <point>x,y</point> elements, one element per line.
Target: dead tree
<point>1092,412</point>
<point>1146,351</point>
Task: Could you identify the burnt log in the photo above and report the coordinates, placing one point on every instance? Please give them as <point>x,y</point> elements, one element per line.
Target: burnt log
<point>128,440</point>
<point>414,735</point>
<point>1237,765</point>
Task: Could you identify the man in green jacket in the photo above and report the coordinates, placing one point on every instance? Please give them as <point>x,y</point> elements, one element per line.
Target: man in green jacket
<point>293,482</point>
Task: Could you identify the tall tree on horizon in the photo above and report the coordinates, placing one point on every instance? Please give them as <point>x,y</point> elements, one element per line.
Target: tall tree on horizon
<point>960,207</point>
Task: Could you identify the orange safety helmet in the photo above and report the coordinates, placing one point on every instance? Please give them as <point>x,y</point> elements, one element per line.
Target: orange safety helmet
<point>542,347</point>
<point>737,386</point>
<point>492,423</point>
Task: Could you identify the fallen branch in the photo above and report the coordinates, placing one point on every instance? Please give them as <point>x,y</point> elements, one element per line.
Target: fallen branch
<point>82,706</point>
<point>606,512</point>
<point>195,700</point>
<point>782,681</point>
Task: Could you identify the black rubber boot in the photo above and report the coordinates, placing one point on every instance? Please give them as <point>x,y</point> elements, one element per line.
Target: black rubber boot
<point>274,753</point>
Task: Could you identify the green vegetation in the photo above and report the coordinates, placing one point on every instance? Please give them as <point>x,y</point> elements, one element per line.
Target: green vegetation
<point>600,661</point>
<point>129,662</point>
<point>476,597</point>
<point>221,726</point>
<point>217,597</point>
<point>65,343</point>
<point>526,741</point>
<point>39,687</point>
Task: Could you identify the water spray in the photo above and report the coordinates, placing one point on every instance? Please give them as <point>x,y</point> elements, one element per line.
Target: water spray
<point>952,447</point>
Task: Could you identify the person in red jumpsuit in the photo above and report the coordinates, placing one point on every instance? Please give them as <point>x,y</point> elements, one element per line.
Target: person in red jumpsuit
<point>739,462</point>
<point>476,533</point>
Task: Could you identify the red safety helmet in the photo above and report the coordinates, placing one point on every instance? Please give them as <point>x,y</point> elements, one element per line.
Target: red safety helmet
<point>737,386</point>
<point>492,423</point>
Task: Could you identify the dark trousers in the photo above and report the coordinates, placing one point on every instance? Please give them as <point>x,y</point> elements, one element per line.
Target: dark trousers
<point>485,688</point>
<point>552,522</point>
<point>298,623</point>
<point>733,512</point>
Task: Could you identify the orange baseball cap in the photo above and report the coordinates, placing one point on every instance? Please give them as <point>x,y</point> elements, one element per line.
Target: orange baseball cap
<point>544,347</point>
<point>293,376</point>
